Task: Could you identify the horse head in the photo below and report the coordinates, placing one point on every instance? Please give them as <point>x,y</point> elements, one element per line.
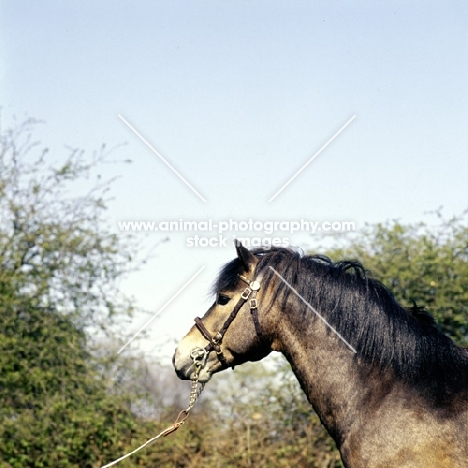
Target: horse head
<point>230,333</point>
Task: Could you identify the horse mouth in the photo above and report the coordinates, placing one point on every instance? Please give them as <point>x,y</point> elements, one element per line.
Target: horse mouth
<point>181,374</point>
<point>187,374</point>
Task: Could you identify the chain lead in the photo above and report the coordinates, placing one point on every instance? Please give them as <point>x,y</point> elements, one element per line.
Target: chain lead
<point>198,356</point>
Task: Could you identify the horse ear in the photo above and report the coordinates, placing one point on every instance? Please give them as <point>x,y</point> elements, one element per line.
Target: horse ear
<point>246,256</point>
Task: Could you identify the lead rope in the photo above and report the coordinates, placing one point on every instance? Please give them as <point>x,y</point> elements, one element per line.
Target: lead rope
<point>198,356</point>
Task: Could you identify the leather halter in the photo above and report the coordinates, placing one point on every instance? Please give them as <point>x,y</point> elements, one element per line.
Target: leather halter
<point>214,341</point>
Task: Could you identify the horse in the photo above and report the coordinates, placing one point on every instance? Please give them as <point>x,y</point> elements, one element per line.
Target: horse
<point>389,387</point>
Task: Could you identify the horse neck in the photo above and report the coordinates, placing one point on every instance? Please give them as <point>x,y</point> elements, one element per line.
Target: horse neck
<point>326,370</point>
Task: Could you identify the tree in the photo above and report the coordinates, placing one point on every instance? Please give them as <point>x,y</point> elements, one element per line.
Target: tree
<point>58,266</point>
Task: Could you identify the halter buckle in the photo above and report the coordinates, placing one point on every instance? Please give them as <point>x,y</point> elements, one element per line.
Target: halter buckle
<point>217,338</point>
<point>253,303</point>
<point>245,295</point>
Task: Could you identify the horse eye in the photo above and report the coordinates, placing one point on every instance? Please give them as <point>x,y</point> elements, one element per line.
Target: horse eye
<point>223,300</point>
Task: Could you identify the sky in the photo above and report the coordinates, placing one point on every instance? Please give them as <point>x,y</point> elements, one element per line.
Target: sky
<point>237,96</point>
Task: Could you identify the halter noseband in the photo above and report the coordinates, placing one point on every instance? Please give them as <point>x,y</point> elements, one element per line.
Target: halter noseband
<point>214,341</point>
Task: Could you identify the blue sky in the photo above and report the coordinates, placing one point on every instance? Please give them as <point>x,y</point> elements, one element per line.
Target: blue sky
<point>238,96</point>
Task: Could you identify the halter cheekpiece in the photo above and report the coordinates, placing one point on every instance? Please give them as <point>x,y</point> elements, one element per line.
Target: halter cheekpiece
<point>214,341</point>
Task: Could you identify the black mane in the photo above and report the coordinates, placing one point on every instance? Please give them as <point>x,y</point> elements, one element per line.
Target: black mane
<point>365,313</point>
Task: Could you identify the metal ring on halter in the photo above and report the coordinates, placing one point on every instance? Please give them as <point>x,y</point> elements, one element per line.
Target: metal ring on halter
<point>198,356</point>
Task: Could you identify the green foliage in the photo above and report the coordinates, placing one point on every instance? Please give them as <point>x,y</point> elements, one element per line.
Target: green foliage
<point>57,269</point>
